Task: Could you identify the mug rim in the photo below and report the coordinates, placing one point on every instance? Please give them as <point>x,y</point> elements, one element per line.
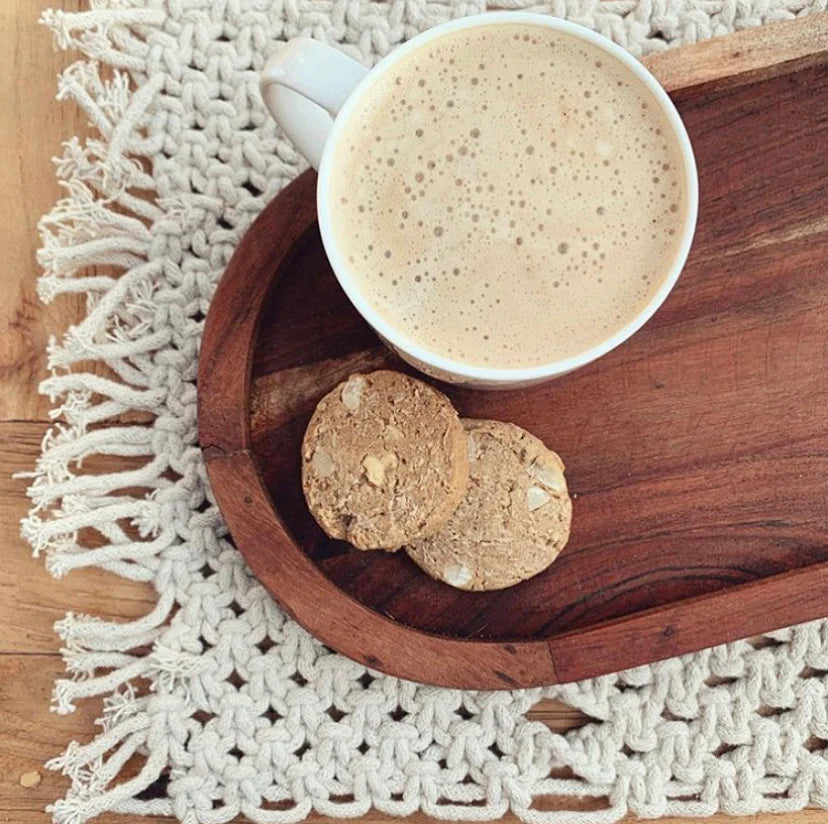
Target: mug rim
<point>520,374</point>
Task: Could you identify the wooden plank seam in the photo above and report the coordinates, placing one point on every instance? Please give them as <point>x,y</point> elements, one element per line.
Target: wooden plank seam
<point>233,708</point>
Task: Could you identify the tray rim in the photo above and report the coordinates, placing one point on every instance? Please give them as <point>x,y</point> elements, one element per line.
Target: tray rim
<point>354,629</point>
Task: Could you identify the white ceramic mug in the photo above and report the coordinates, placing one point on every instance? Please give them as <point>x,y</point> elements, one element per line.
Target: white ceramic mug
<point>312,90</point>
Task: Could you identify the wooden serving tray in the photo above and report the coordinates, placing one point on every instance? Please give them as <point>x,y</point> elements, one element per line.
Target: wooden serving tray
<point>697,452</point>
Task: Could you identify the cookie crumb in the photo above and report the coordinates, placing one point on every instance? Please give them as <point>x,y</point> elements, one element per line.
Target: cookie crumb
<point>29,779</point>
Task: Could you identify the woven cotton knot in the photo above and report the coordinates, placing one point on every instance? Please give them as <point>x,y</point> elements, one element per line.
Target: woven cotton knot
<point>233,708</point>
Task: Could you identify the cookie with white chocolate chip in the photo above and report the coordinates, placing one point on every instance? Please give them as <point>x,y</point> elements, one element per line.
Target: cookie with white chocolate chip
<point>384,461</point>
<point>514,519</point>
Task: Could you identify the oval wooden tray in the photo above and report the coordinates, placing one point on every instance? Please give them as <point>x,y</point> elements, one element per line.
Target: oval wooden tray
<point>697,452</point>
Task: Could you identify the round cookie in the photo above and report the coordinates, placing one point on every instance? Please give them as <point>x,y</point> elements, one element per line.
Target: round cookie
<point>384,461</point>
<point>514,519</point>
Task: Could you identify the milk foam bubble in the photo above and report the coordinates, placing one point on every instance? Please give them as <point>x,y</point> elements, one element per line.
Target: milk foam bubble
<point>508,195</point>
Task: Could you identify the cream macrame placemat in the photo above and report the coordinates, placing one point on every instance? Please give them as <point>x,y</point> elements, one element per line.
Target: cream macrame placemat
<point>245,712</point>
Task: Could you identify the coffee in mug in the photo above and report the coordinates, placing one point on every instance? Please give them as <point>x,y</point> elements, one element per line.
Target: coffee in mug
<point>508,195</point>
<point>504,198</point>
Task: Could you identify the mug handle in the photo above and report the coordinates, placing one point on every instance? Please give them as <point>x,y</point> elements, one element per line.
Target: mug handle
<point>303,87</point>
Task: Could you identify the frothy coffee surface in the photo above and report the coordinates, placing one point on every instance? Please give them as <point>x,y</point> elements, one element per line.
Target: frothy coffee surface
<point>508,195</point>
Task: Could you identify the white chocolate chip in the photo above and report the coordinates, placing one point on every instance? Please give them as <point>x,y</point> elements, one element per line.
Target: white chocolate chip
<point>322,464</point>
<point>352,392</point>
<point>549,475</point>
<point>536,497</point>
<point>474,448</point>
<point>375,468</point>
<point>457,575</point>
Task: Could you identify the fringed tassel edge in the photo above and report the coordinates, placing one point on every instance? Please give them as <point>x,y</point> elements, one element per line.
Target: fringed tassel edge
<point>100,224</point>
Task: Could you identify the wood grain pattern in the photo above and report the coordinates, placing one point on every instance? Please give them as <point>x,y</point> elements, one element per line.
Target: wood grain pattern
<point>744,56</point>
<point>33,126</point>
<point>30,599</point>
<point>697,452</point>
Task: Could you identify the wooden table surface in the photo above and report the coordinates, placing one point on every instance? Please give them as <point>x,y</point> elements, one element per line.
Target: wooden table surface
<point>33,125</point>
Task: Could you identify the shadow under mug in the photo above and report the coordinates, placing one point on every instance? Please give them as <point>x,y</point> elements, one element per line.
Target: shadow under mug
<point>311,90</point>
